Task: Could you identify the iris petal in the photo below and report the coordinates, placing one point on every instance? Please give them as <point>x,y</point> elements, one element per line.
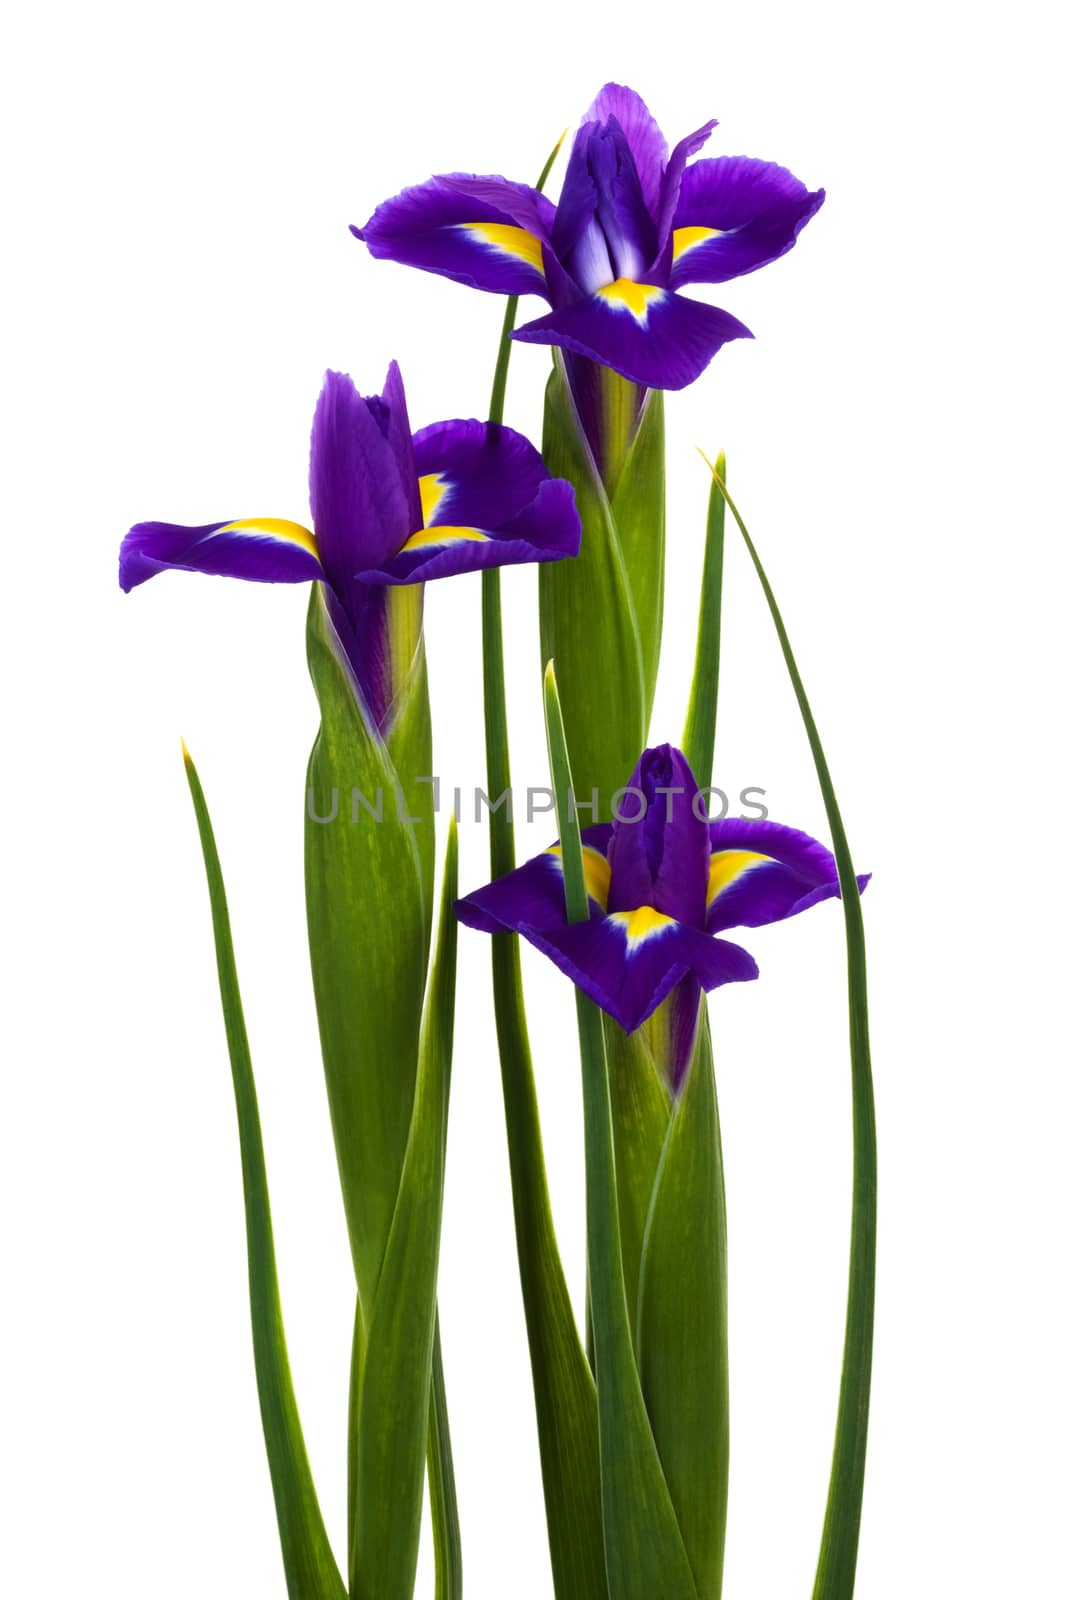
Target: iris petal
<point>642,133</point>
<point>484,232</point>
<point>752,210</point>
<point>548,529</point>
<point>646,333</point>
<point>263,549</point>
<point>763,872</point>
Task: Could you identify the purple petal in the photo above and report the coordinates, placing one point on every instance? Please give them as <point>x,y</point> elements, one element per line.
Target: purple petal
<point>446,226</point>
<point>672,182</point>
<point>647,334</point>
<point>475,474</point>
<point>390,411</point>
<point>264,549</point>
<point>764,872</point>
<point>526,207</point>
<point>642,133</point>
<point>548,529</point>
<point>359,501</point>
<point>659,847</point>
<point>735,214</point>
<point>533,895</point>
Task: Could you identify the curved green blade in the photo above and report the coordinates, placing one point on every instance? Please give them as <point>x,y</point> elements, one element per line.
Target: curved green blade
<point>310,1569</point>
<point>836,1574</point>
<point>646,1557</point>
<point>698,740</point>
<point>399,1355</point>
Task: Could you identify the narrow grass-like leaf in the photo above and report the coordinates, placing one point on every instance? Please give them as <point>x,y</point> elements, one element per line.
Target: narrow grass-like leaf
<point>836,1573</point>
<point>698,741</point>
<point>564,1394</point>
<point>310,1568</point>
<point>589,623</point>
<point>444,1508</point>
<point>646,1557</point>
<point>399,1356</point>
<point>682,1325</point>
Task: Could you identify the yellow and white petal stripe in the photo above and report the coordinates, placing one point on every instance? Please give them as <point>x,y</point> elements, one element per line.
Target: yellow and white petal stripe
<point>641,925</point>
<point>440,535</point>
<point>272,528</point>
<point>517,243</point>
<point>434,489</point>
<point>635,298</point>
<point>596,870</point>
<point>686,239</point>
<point>729,865</point>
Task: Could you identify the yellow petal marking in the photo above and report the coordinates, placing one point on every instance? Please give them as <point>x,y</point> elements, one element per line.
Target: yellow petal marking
<point>517,242</point>
<point>442,535</point>
<point>626,295</point>
<point>688,238</point>
<point>596,870</point>
<point>642,924</point>
<point>432,490</point>
<point>727,866</point>
<point>273,528</point>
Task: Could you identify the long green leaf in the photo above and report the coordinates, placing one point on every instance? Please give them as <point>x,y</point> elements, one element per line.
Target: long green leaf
<point>682,1324</point>
<point>399,1356</point>
<point>448,1558</point>
<point>646,1557</point>
<point>564,1394</point>
<point>836,1574</point>
<point>698,741</point>
<point>310,1569</point>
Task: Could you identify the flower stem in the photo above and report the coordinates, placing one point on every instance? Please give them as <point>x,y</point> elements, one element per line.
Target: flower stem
<point>564,1395</point>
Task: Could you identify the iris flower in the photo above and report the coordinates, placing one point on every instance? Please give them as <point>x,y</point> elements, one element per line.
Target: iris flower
<point>664,884</point>
<point>634,225</point>
<point>390,510</point>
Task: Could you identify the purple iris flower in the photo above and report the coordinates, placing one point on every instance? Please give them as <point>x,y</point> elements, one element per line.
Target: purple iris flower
<point>389,510</point>
<point>634,225</point>
<point>663,885</point>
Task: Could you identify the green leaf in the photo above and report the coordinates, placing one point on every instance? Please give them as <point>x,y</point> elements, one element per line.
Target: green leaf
<point>682,1337</point>
<point>836,1574</point>
<point>646,1558</point>
<point>589,624</point>
<point>398,1359</point>
<point>310,1569</point>
<point>698,741</point>
<point>448,1559</point>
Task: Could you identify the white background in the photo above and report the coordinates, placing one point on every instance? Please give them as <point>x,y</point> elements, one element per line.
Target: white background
<point>178,275</point>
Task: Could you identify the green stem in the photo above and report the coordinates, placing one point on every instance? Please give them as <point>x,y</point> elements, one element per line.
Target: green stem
<point>836,1574</point>
<point>564,1394</point>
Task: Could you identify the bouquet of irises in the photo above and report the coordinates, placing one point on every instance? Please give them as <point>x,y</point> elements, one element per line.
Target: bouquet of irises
<point>633,900</point>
